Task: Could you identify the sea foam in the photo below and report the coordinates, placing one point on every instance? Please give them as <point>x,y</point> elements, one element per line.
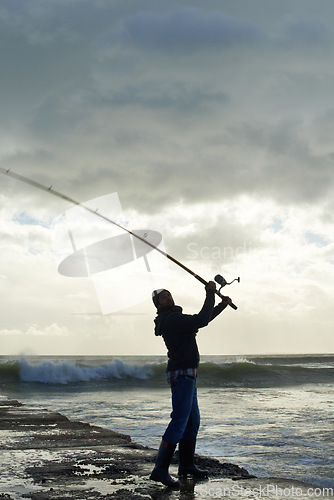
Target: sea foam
<point>50,372</point>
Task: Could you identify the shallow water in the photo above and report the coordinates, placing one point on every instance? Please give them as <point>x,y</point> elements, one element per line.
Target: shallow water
<point>271,415</point>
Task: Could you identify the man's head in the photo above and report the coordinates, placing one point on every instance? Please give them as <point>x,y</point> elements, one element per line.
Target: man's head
<point>162,299</point>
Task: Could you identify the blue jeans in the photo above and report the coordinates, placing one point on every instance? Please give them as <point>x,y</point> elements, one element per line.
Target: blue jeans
<point>185,417</point>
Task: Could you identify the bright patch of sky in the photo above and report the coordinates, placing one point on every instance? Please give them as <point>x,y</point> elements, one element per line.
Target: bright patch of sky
<point>318,239</point>
<point>25,219</point>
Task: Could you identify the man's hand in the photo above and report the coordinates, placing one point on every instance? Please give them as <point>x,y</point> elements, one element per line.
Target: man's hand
<point>210,286</point>
<point>226,300</point>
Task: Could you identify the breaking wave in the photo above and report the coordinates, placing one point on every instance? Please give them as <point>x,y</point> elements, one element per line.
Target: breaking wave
<point>233,372</point>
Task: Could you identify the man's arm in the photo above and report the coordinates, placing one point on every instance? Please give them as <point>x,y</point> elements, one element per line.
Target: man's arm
<point>226,301</point>
<point>191,322</point>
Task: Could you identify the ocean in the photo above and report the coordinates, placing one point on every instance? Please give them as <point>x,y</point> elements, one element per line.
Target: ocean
<point>272,415</point>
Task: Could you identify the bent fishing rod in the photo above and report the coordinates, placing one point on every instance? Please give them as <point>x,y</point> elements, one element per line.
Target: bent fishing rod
<point>219,279</point>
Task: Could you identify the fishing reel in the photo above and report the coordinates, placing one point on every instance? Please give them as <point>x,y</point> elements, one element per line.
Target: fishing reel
<point>222,281</point>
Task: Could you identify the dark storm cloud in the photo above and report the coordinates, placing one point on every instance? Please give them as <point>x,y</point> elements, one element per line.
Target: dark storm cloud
<point>186,29</point>
<point>167,96</point>
<point>166,103</point>
<point>307,32</point>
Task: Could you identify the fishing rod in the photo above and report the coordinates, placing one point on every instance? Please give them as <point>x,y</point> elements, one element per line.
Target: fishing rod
<point>219,279</point>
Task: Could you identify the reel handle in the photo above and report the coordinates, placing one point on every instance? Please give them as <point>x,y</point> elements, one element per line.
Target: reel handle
<point>217,292</point>
<point>222,282</point>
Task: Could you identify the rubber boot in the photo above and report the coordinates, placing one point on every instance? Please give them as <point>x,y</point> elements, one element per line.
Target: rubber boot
<point>160,472</point>
<point>186,457</point>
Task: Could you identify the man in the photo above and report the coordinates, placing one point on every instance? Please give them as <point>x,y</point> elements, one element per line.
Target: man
<point>179,333</point>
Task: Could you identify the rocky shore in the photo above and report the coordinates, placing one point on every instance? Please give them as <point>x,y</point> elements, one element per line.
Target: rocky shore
<point>44,455</point>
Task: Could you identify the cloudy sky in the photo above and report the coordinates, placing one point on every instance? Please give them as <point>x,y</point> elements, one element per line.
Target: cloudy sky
<point>213,123</point>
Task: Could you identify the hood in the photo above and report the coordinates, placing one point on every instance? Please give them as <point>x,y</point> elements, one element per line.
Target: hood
<point>161,316</point>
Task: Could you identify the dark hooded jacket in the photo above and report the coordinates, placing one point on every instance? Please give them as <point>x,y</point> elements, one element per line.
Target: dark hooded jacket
<point>179,331</point>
